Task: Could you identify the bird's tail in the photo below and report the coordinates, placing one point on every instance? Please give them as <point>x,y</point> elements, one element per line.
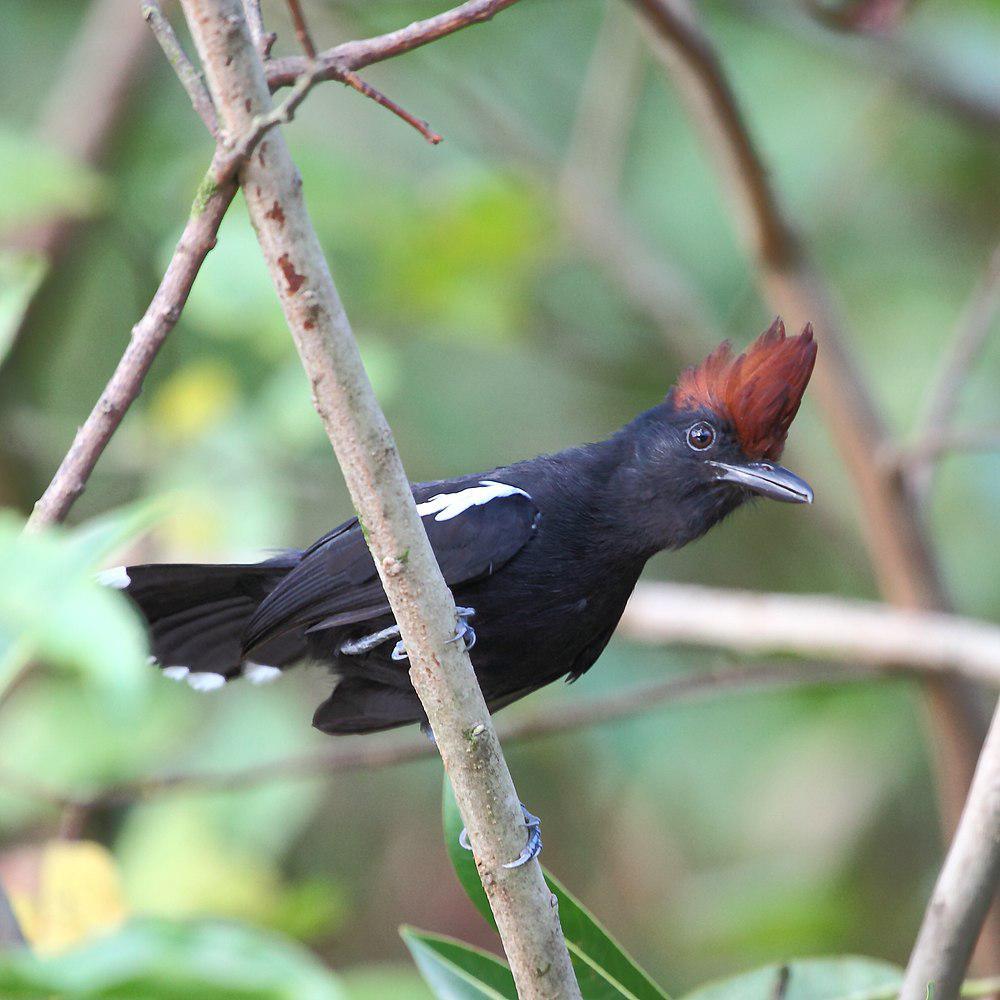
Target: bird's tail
<point>196,615</point>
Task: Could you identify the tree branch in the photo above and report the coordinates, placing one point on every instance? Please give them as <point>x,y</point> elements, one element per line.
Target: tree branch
<point>372,753</point>
<point>898,546</point>
<point>358,54</point>
<point>967,344</point>
<point>964,889</point>
<point>877,635</point>
<point>423,606</point>
<point>210,205</point>
<point>301,29</point>
<point>189,77</point>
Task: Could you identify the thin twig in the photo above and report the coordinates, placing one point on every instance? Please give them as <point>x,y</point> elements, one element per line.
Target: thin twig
<point>229,157</point>
<point>191,80</point>
<point>353,80</point>
<point>358,54</point>
<point>372,753</point>
<point>966,346</point>
<point>147,337</point>
<point>301,29</point>
<point>964,889</point>
<point>263,40</point>
<point>423,607</point>
<point>900,551</point>
<point>199,236</point>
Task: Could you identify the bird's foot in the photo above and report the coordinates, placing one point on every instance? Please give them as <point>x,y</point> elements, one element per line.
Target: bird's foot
<point>355,647</point>
<point>463,631</point>
<point>532,846</point>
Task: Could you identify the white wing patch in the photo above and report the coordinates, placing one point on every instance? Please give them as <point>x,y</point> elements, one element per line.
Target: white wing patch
<point>445,506</point>
<point>176,673</point>
<point>116,577</point>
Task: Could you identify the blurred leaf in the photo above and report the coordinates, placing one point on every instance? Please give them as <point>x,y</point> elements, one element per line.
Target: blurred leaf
<point>40,182</point>
<point>160,960</point>
<point>376,982</point>
<point>51,608</point>
<point>457,971</point>
<point>838,978</point>
<point>193,398</point>
<point>603,967</point>
<point>20,276</point>
<point>75,894</point>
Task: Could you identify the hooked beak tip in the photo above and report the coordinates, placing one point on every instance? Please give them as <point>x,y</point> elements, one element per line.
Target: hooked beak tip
<point>768,480</point>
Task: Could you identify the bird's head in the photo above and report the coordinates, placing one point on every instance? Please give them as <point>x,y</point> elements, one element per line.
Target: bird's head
<point>716,439</point>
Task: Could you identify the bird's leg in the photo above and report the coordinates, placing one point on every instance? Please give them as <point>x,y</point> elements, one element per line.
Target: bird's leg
<point>354,647</point>
<point>463,631</point>
<point>532,846</point>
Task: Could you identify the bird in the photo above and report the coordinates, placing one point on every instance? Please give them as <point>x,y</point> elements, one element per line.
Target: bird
<point>541,555</point>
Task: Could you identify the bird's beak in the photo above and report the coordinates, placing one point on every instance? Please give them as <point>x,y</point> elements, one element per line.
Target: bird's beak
<point>767,479</point>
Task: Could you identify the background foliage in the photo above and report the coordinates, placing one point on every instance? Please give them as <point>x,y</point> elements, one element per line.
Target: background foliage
<point>709,838</point>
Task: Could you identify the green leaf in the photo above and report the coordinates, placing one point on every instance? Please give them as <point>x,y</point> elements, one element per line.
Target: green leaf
<point>41,182</point>
<point>162,960</point>
<point>457,971</point>
<point>603,967</point>
<point>52,609</point>
<point>846,977</point>
<point>20,276</point>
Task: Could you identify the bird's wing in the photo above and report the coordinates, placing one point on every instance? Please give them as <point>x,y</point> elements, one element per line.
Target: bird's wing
<point>473,529</point>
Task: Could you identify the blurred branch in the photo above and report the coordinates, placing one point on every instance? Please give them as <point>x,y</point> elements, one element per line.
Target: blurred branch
<point>918,73</point>
<point>198,238</point>
<point>965,887</point>
<point>966,346</point>
<point>88,100</point>
<point>421,603</point>
<point>301,28</point>
<point>855,640</point>
<point>878,635</point>
<point>898,546</point>
<point>936,444</point>
<point>863,16</point>
<point>191,80</point>
<point>11,935</point>
<point>370,753</point>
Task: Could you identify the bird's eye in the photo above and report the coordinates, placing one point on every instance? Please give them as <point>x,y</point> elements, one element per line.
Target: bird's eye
<point>700,436</point>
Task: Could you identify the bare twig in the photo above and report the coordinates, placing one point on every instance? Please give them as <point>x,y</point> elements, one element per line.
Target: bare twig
<point>301,29</point>
<point>421,603</point>
<point>967,344</point>
<point>147,337</point>
<point>199,236</point>
<point>899,549</point>
<point>964,889</point>
<point>813,626</point>
<point>353,80</point>
<point>372,753</point>
<point>263,40</point>
<point>190,78</point>
<point>356,55</point>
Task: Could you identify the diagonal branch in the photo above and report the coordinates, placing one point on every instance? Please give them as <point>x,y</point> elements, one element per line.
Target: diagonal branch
<point>210,205</point>
<point>189,77</point>
<point>900,551</point>
<point>964,889</point>
<point>423,607</point>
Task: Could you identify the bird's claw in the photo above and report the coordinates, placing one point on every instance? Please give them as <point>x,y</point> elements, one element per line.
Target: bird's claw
<point>463,630</point>
<point>532,846</point>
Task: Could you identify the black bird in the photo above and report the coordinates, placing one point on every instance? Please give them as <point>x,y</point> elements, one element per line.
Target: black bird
<point>541,555</point>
